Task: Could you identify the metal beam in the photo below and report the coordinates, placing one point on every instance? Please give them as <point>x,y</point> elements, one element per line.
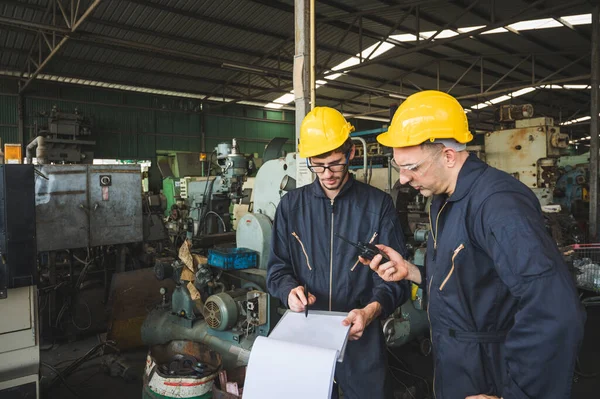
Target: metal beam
<point>465,11</point>
<point>506,74</point>
<point>493,44</point>
<point>274,4</point>
<point>377,12</point>
<point>594,140</point>
<point>424,46</point>
<point>461,76</point>
<point>33,25</point>
<point>456,47</point>
<point>515,88</point>
<point>86,35</point>
<point>570,64</point>
<point>58,46</point>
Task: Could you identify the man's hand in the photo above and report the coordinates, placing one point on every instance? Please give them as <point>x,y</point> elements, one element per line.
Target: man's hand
<point>396,269</point>
<point>360,319</point>
<point>297,299</point>
<point>482,397</point>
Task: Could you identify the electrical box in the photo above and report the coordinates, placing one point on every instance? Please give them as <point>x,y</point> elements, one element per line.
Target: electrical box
<point>80,206</point>
<point>17,228</point>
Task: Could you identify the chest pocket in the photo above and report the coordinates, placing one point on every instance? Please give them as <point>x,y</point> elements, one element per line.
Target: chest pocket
<point>455,262</point>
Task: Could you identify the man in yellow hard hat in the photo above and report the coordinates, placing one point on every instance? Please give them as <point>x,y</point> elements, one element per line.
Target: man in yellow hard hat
<point>504,313</point>
<point>306,250</point>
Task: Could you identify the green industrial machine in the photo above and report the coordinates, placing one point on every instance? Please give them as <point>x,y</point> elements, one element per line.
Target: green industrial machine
<point>176,165</point>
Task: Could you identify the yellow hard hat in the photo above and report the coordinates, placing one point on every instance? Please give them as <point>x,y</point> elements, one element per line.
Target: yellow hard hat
<point>323,129</point>
<point>427,115</point>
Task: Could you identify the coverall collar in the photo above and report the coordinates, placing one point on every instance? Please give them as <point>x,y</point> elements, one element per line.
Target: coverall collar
<point>469,173</point>
<point>318,190</point>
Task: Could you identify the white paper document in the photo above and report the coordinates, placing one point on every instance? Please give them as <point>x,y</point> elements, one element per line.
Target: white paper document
<point>298,359</point>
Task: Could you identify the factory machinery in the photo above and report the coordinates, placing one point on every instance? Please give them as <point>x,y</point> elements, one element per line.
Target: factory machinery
<point>227,309</point>
<point>200,204</point>
<point>535,151</point>
<point>59,140</point>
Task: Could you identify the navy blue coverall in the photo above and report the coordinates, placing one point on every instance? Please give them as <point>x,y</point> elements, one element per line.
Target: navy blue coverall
<point>305,249</point>
<point>504,311</point>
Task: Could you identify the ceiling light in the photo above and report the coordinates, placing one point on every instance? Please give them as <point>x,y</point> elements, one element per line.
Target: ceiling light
<point>346,64</point>
<point>497,30</point>
<point>333,76</point>
<point>582,19</point>
<point>577,87</point>
<point>536,24</point>
<point>285,99</point>
<point>522,91</point>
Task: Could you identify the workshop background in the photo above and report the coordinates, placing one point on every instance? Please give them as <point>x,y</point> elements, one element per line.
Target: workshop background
<point>146,145</point>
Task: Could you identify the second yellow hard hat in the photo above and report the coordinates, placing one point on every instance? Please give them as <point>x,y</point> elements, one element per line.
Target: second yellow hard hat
<point>427,116</point>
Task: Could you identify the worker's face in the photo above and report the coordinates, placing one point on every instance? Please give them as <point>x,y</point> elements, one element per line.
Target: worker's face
<point>421,168</point>
<point>332,171</point>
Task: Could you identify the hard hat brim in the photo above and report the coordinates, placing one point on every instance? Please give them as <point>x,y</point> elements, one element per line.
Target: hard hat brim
<point>387,140</point>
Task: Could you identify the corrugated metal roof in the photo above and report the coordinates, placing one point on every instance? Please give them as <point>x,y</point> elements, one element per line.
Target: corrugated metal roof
<point>245,32</point>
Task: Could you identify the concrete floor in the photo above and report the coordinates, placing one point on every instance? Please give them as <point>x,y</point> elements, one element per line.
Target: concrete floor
<point>90,380</point>
<point>410,369</point>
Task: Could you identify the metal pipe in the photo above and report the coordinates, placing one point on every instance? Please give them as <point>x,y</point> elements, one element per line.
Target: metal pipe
<point>312,54</point>
<point>21,121</point>
<point>30,149</point>
<point>365,164</point>
<point>594,140</point>
<point>301,76</point>
<point>160,327</point>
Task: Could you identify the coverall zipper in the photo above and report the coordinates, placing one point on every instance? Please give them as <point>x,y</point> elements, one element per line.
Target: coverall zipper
<point>331,259</point>
<point>434,235</point>
<point>431,332</point>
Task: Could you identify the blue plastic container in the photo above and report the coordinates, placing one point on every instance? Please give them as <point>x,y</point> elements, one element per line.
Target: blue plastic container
<point>232,258</point>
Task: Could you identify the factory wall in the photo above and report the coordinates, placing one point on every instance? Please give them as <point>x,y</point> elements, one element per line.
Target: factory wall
<point>129,125</point>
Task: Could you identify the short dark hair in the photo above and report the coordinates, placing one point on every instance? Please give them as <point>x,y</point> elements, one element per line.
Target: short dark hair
<point>343,149</point>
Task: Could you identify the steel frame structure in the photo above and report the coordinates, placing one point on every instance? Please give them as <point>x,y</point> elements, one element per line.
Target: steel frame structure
<point>64,20</point>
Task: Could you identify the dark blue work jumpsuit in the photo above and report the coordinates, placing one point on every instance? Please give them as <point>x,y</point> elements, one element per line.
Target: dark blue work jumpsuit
<point>504,311</point>
<point>305,249</point>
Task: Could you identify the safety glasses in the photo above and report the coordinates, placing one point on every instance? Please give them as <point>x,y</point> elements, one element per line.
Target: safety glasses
<point>416,168</point>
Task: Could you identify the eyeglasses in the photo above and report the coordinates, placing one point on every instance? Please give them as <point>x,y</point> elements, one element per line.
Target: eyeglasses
<point>336,167</point>
<point>416,167</point>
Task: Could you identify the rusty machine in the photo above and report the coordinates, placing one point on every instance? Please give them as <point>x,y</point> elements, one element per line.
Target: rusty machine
<point>60,140</point>
<point>530,152</point>
<point>535,151</point>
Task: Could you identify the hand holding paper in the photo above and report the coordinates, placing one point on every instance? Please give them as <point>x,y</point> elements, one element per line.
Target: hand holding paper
<point>360,319</point>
